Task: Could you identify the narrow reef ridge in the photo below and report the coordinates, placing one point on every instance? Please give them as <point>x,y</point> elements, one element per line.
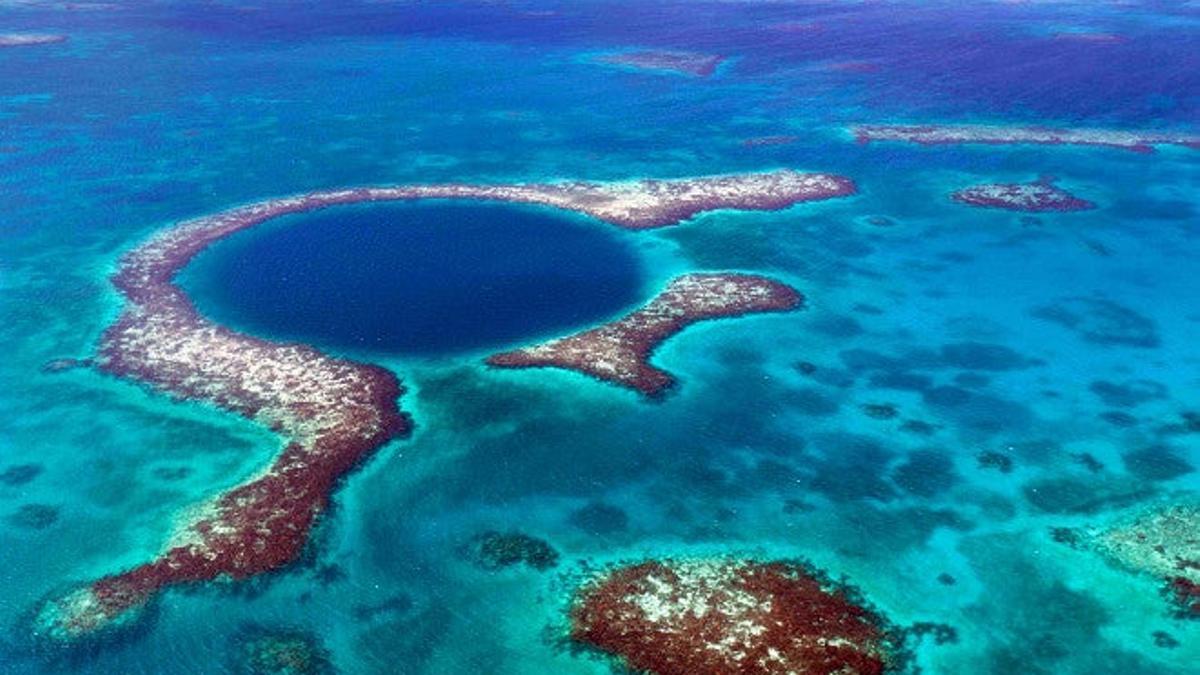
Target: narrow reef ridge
<point>734,617</point>
<point>686,63</point>
<point>332,413</point>
<point>1164,543</point>
<point>29,39</point>
<point>619,351</point>
<point>1037,197</point>
<point>937,134</point>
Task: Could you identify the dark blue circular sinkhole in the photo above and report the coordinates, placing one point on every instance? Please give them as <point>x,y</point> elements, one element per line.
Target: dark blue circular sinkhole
<point>422,278</point>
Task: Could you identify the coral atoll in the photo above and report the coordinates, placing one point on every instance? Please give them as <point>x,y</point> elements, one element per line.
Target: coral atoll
<point>332,413</point>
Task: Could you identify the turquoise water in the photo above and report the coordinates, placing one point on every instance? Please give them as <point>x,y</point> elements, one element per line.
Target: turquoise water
<point>159,112</point>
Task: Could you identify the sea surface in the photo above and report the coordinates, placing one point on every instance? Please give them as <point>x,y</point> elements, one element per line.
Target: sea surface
<point>861,434</point>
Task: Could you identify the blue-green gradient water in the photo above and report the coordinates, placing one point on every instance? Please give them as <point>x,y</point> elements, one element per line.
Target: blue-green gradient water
<point>773,445</point>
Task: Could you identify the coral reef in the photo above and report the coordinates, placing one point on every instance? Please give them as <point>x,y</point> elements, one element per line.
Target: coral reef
<point>497,550</point>
<point>942,134</point>
<point>618,352</point>
<point>686,63</point>
<point>1039,196</point>
<point>727,616</point>
<point>1165,543</point>
<point>263,651</point>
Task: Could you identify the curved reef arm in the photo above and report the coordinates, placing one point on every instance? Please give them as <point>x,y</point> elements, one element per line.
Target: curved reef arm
<point>951,134</point>
<point>619,352</point>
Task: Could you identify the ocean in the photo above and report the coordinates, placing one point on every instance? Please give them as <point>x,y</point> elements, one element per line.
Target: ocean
<point>966,397</point>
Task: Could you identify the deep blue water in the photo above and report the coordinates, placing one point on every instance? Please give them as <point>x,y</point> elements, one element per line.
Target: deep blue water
<point>963,384</point>
<point>418,279</point>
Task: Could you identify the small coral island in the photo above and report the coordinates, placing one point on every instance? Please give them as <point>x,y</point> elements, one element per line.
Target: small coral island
<point>727,617</point>
<point>618,352</point>
<point>332,413</point>
<point>1036,197</point>
<point>685,63</point>
<point>29,39</point>
<point>938,134</point>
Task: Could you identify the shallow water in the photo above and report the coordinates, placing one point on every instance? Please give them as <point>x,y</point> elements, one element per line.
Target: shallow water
<point>869,434</point>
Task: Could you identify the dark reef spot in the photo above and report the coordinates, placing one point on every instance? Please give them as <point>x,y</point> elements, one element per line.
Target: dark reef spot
<point>599,518</point>
<point>946,579</point>
<point>982,356</point>
<point>497,550</point>
<point>1156,462</point>
<point>919,428</point>
<point>991,459</point>
<point>926,473</point>
<point>258,650</point>
<point>794,506</point>
<point>20,474</point>
<point>941,633</point>
<point>1067,536</point>
<point>1101,321</point>
<point>1164,640</point>
<point>880,411</point>
<point>1121,420</point>
<point>329,573</point>
<point>1088,461</point>
<point>34,516</point>
<point>1128,394</point>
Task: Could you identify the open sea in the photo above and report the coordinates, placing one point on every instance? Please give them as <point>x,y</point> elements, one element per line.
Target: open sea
<point>962,386</point>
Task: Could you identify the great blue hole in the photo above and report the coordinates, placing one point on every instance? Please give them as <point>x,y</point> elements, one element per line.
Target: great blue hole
<point>421,278</point>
